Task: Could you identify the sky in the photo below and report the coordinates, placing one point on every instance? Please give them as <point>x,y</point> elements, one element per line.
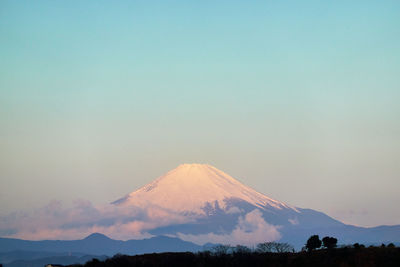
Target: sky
<point>296,99</point>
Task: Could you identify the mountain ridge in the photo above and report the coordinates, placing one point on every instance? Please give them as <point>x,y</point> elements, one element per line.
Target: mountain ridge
<point>104,246</point>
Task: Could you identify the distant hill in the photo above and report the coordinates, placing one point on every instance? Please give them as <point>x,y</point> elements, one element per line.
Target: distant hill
<point>98,244</point>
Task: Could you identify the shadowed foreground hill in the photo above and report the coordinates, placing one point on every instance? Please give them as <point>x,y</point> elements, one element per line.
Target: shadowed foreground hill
<point>374,256</point>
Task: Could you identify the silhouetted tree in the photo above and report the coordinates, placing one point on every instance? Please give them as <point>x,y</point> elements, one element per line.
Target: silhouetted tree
<point>264,247</point>
<point>283,247</point>
<point>358,246</point>
<point>274,247</point>
<point>239,249</point>
<point>329,242</point>
<point>313,242</point>
<point>221,249</point>
<point>391,245</point>
<point>346,256</point>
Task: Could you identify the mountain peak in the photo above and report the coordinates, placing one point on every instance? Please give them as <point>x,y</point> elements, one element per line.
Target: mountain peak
<point>96,236</point>
<point>191,187</point>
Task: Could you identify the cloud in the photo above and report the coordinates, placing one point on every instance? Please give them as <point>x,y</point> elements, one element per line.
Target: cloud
<point>234,210</point>
<point>250,230</point>
<point>54,221</point>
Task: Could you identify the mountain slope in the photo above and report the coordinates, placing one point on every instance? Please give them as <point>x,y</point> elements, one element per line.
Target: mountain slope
<point>216,199</point>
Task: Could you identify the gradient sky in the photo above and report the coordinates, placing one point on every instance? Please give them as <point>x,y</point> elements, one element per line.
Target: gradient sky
<point>297,99</point>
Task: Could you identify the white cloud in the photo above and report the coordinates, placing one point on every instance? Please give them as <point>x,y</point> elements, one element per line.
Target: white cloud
<point>54,221</point>
<point>250,230</point>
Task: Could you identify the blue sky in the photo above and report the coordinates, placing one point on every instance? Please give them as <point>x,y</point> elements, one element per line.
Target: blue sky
<point>98,98</point>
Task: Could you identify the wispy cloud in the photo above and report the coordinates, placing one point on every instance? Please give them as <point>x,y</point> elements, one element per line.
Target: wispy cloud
<point>55,221</point>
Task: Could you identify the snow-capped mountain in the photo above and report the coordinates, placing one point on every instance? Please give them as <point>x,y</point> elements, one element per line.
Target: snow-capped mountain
<point>214,207</point>
<point>191,188</point>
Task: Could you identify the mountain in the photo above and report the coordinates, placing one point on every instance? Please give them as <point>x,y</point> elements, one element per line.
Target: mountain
<point>189,187</point>
<point>22,253</point>
<point>221,208</point>
<point>95,244</point>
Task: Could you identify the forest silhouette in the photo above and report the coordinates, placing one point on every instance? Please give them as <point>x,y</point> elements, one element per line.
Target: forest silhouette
<point>316,252</point>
